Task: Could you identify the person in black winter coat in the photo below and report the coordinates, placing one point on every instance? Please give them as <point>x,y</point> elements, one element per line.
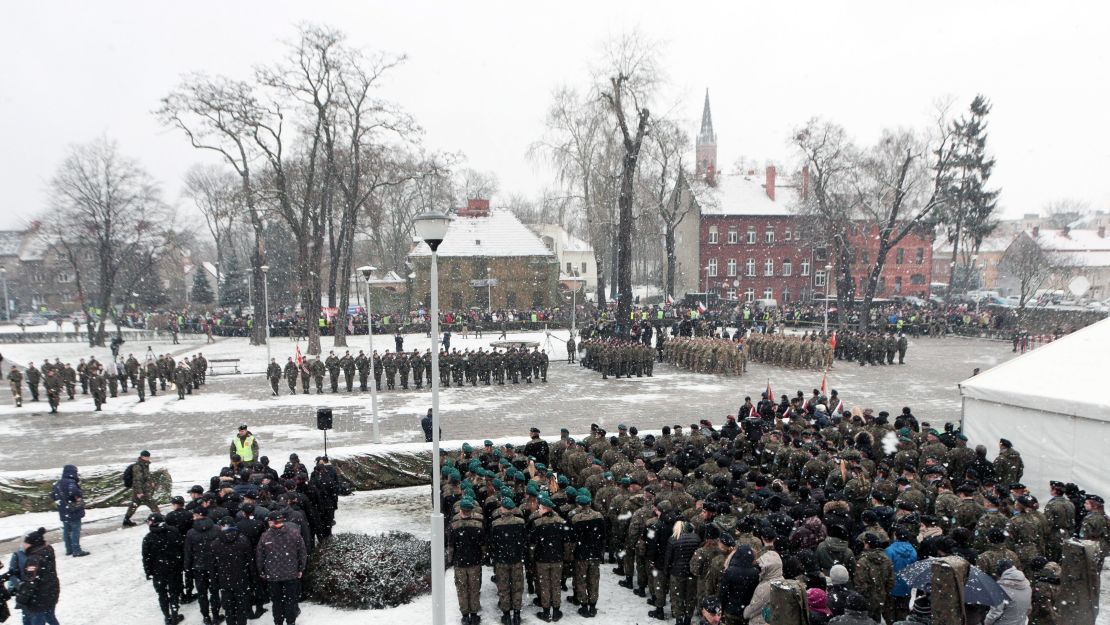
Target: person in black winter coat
<point>738,583</point>
<point>252,525</point>
<point>680,549</point>
<point>325,479</point>
<point>233,557</point>
<point>163,554</point>
<point>39,587</point>
<point>199,558</point>
<point>657,534</point>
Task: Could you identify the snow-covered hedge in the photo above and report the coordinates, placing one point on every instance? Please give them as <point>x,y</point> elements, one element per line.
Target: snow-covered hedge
<point>370,572</point>
<point>102,489</point>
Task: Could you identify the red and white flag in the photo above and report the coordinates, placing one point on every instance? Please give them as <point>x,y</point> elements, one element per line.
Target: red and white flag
<point>824,383</point>
<point>701,308</point>
<point>832,340</point>
<point>670,300</point>
<point>300,358</point>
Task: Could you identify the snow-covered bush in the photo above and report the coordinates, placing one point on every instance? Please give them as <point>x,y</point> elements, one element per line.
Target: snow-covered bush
<point>370,572</point>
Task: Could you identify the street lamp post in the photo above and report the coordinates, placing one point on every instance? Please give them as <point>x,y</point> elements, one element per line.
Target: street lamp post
<point>707,287</point>
<point>368,271</point>
<point>489,290</point>
<point>974,271</point>
<point>7,306</point>
<point>828,271</point>
<point>266,307</point>
<point>432,228</point>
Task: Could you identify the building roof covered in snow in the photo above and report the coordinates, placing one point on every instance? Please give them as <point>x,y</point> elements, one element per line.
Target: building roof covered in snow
<point>561,240</point>
<point>1075,248</point>
<point>10,242</point>
<point>993,244</point>
<point>495,233</point>
<point>748,194</point>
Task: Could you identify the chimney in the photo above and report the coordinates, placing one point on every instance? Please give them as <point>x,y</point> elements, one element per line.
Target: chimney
<point>1102,232</point>
<point>771,182</point>
<point>1036,231</point>
<point>475,207</point>
<point>805,183</point>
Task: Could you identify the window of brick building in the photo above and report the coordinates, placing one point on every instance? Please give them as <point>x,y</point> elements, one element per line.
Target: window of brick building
<point>749,268</point>
<point>712,267</point>
<point>920,256</point>
<point>819,278</point>
<point>712,234</point>
<point>900,256</point>
<point>751,236</point>
<point>917,279</point>
<point>805,267</point>
<point>731,267</point>
<point>749,294</point>
<point>768,293</point>
<point>769,267</point>
<point>733,237</point>
<point>787,268</point>
<point>769,236</point>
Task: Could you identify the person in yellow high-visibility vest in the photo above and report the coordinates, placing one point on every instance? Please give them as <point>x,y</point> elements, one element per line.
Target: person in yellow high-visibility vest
<point>244,445</point>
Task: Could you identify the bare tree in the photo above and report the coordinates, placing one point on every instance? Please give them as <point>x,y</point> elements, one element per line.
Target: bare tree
<point>217,194</point>
<point>673,190</point>
<point>1031,269</point>
<point>109,222</point>
<point>1060,213</point>
<point>632,77</point>
<point>223,116</point>
<point>474,184</point>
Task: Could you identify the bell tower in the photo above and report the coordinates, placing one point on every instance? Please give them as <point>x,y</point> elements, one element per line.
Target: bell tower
<point>706,146</point>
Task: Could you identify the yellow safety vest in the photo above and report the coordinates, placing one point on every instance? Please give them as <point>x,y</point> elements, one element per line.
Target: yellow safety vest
<point>244,447</point>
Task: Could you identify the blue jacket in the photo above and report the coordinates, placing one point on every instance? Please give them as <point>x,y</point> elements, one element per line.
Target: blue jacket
<point>901,554</point>
<point>66,491</point>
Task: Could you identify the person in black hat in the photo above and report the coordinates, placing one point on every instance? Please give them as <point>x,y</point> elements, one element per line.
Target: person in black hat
<point>163,548</point>
<point>710,610</point>
<point>282,557</point>
<point>537,447</point>
<point>39,587</point>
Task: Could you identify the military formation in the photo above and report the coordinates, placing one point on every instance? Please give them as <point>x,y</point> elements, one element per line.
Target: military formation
<point>618,358</point>
<point>762,513</point>
<point>404,370</point>
<point>872,348</point>
<point>707,355</point>
<point>103,381</point>
<point>809,351</point>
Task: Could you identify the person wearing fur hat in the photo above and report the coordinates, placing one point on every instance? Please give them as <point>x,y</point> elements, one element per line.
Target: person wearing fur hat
<point>39,587</point>
<point>163,558</point>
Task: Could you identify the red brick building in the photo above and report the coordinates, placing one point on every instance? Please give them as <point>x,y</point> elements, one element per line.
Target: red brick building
<point>909,265</point>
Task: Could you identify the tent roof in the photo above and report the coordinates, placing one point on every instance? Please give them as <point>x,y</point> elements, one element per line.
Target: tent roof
<point>1064,376</point>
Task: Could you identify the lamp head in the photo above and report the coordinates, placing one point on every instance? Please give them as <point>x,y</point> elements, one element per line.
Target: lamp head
<point>432,228</point>
<point>367,271</point>
<point>265,268</point>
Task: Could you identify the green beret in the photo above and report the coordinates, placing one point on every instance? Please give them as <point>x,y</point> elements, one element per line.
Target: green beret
<point>497,483</point>
<point>607,475</point>
<point>487,443</point>
<point>467,448</point>
<point>467,503</point>
<point>505,462</point>
<point>507,503</point>
<point>584,491</point>
<point>596,461</point>
<point>546,502</point>
<point>541,466</point>
<point>625,481</point>
<point>506,492</point>
<point>571,492</point>
<point>508,445</point>
<point>564,430</point>
<point>563,481</point>
<point>570,440</point>
<point>532,490</point>
<point>622,427</point>
<point>583,500</point>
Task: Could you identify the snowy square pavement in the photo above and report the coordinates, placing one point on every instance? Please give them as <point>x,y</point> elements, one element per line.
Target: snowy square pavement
<point>203,424</point>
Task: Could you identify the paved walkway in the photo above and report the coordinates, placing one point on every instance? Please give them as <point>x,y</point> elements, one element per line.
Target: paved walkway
<point>574,397</point>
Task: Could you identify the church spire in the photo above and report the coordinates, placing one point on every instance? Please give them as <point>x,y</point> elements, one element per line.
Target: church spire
<point>706,146</point>
<point>706,136</point>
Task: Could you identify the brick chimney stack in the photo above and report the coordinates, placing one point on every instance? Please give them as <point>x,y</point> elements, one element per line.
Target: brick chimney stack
<point>771,182</point>
<point>475,207</point>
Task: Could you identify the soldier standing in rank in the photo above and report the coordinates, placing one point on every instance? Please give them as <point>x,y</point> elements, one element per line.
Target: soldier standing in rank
<point>507,537</point>
<point>33,379</point>
<point>390,366</point>
<point>98,385</point>
<point>347,363</point>
<point>547,541</point>
<point>318,370</point>
<point>305,371</point>
<point>417,364</point>
<point>377,370</point>
<point>1096,526</point>
<point>113,380</point>
<point>132,368</point>
<point>181,380</point>
<point>273,373</point>
<point>903,344</point>
<point>571,349</point>
<point>398,341</point>
<point>362,363</point>
<point>332,363</point>
<point>543,365</point>
<point>152,376</point>
<point>140,385</point>
<point>83,376</point>
<point>403,369</point>
<point>465,549</point>
<point>291,376</point>
<point>202,369</point>
<point>69,378</point>
<point>590,539</point>
<point>15,379</point>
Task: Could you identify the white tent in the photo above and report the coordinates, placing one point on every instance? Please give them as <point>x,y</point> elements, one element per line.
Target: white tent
<point>1051,404</point>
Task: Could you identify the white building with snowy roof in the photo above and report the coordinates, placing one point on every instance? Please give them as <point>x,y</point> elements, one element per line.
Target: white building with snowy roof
<point>1074,253</point>
<point>575,256</point>
<point>489,259</point>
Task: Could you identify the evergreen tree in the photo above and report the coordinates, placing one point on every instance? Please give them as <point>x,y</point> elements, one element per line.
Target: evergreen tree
<point>149,289</point>
<point>233,291</point>
<point>202,293</point>
<point>968,202</point>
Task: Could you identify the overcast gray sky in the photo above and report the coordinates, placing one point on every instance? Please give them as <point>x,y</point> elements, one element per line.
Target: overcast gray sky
<point>480,76</point>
